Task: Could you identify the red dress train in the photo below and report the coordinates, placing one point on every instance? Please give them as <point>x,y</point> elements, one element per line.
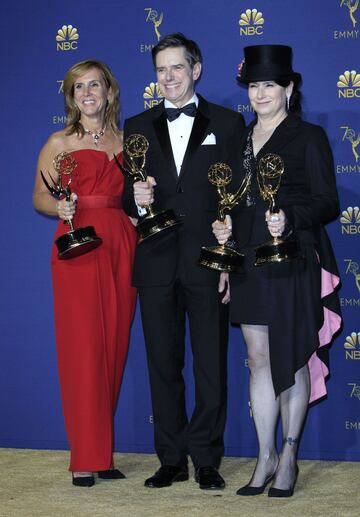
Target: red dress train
<point>94,306</point>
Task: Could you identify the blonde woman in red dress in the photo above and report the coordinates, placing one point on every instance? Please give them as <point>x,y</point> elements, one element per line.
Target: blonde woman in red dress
<point>93,297</point>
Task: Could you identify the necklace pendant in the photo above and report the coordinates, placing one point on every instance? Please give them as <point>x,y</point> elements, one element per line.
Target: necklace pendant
<point>95,136</point>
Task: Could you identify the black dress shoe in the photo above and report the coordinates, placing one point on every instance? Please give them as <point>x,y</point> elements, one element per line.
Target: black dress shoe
<point>279,492</point>
<point>209,478</point>
<point>166,476</point>
<point>111,474</point>
<point>254,490</point>
<point>83,481</point>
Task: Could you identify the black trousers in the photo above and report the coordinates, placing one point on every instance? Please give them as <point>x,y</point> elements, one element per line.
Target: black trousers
<point>163,312</point>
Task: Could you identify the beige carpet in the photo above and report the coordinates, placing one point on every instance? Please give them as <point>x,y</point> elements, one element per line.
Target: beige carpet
<point>36,483</point>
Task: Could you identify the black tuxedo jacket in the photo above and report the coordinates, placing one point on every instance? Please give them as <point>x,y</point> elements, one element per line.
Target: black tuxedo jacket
<point>307,192</point>
<point>176,251</point>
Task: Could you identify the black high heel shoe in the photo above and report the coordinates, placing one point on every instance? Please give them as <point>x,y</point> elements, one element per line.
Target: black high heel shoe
<point>255,490</point>
<point>279,492</point>
<point>111,474</point>
<point>86,481</point>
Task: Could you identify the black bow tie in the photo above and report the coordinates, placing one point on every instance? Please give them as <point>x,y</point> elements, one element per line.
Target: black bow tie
<point>174,113</point>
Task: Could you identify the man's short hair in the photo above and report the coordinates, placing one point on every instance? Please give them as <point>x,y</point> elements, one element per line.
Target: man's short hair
<point>192,50</point>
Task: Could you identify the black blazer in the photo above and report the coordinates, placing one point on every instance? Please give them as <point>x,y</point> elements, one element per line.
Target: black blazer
<point>190,195</point>
<point>307,192</point>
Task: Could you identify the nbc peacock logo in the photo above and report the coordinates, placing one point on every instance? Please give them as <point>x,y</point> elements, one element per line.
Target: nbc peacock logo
<point>152,95</point>
<point>349,85</point>
<point>67,38</point>
<point>350,221</point>
<point>251,23</point>
<point>352,346</point>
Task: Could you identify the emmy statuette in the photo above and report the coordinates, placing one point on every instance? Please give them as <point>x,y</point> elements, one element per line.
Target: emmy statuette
<point>269,173</point>
<point>224,257</point>
<point>77,241</point>
<point>135,149</point>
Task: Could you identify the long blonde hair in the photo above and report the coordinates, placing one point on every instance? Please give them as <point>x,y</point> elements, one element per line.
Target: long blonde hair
<point>73,113</point>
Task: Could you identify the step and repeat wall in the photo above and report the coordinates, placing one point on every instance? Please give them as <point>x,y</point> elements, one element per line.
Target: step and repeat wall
<point>39,41</point>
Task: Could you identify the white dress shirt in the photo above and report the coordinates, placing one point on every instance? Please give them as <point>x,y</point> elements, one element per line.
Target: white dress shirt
<point>179,132</point>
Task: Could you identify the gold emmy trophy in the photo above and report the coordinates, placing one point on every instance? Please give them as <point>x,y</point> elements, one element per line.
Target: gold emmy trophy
<point>80,240</point>
<point>135,147</point>
<point>224,257</point>
<point>269,173</point>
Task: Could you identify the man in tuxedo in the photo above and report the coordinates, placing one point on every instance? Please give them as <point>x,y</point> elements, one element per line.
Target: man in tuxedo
<point>186,135</point>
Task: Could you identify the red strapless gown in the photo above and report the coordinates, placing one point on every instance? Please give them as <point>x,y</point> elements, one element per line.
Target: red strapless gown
<point>94,306</point>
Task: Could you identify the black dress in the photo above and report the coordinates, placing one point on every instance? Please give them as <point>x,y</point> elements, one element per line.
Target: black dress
<point>251,282</point>
<point>297,299</point>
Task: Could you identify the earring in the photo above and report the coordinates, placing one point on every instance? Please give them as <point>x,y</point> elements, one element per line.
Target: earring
<point>288,95</point>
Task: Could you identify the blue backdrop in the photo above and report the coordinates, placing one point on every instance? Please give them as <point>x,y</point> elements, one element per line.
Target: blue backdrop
<point>39,41</point>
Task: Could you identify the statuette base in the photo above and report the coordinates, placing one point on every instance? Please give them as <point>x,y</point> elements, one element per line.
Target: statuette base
<point>221,258</point>
<point>276,251</point>
<point>155,223</point>
<point>77,242</point>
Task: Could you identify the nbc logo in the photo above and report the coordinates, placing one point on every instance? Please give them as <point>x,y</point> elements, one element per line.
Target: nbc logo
<point>350,220</point>
<point>67,38</point>
<point>152,95</point>
<point>349,85</point>
<point>352,346</point>
<point>251,23</point>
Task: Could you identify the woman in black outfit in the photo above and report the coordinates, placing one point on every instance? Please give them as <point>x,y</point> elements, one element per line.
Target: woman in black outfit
<point>288,310</point>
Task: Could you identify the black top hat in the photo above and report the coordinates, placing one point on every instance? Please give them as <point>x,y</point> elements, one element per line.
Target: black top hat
<point>267,63</point>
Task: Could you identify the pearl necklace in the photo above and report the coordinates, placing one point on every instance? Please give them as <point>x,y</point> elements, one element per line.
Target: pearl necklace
<point>96,136</point>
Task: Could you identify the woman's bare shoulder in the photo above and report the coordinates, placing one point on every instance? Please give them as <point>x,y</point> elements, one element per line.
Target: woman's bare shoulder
<point>58,140</point>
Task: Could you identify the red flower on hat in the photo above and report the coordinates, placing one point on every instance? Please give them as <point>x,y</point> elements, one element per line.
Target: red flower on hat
<point>240,67</point>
